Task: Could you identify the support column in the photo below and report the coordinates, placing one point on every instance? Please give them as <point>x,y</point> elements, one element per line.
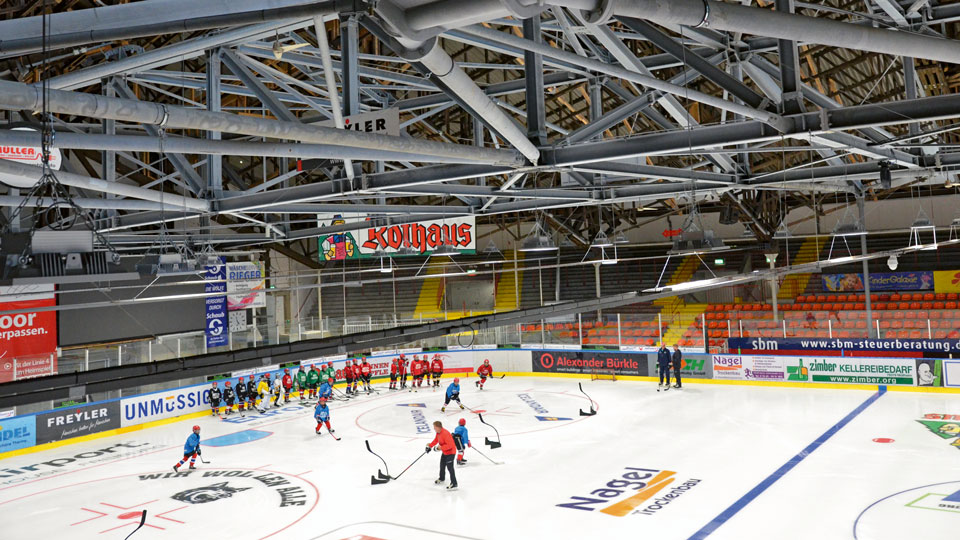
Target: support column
<point>789,67</point>
<point>866,269</point>
<point>533,71</point>
<point>349,50</point>
<point>214,162</point>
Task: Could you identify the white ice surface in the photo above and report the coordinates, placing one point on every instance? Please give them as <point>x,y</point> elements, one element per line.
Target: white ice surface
<point>727,438</point>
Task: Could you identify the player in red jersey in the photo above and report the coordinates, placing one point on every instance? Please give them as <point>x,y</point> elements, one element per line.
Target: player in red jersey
<point>287,385</point>
<point>356,375</point>
<point>416,369</point>
<point>394,373</point>
<point>365,372</point>
<point>402,366</point>
<point>484,371</point>
<point>436,366</point>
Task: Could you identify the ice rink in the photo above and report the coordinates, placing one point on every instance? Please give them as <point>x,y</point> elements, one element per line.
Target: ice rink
<point>709,461</point>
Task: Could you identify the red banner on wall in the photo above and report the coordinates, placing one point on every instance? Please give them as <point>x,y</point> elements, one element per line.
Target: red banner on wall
<point>28,340</point>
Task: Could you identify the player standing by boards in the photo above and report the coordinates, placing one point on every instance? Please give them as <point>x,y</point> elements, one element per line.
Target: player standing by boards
<point>484,371</point>
<point>453,393</point>
<point>287,385</point>
<point>402,366</point>
<point>366,372</point>
<point>357,375</point>
<point>322,415</point>
<point>426,369</point>
<point>437,368</point>
<point>416,369</point>
<point>229,397</point>
<point>241,394</point>
<point>394,374</point>
<point>301,380</point>
<point>462,439</point>
<point>214,397</point>
<point>329,374</point>
<point>313,380</point>
<point>277,390</point>
<point>190,450</point>
<point>449,449</point>
<point>663,362</point>
<point>348,376</point>
<point>252,393</point>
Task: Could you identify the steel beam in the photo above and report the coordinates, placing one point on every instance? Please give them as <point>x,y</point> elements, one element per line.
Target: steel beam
<point>533,75</point>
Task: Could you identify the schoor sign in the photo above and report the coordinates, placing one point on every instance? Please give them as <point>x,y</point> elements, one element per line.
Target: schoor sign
<point>28,341</point>
<point>70,422</point>
<point>587,361</point>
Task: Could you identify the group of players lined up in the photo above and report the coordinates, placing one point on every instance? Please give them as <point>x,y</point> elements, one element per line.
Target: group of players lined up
<point>421,369</point>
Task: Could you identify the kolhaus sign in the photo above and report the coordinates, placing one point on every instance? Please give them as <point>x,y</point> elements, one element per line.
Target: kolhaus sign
<point>419,238</point>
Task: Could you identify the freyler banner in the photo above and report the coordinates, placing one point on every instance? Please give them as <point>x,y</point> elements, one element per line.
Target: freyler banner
<point>422,237</point>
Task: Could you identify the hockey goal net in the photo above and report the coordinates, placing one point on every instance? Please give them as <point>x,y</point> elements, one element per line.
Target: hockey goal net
<point>603,375</point>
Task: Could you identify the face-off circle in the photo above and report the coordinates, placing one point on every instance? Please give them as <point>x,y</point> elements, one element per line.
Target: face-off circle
<point>929,511</point>
<point>177,504</point>
<point>511,412</point>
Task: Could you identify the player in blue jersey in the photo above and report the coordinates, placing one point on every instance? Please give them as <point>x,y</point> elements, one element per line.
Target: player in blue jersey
<point>190,450</point>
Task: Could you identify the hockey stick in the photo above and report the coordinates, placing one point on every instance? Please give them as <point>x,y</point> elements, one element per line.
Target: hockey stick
<point>592,410</point>
<point>332,435</point>
<point>492,444</point>
<point>143,519</point>
<point>205,462</point>
<point>397,477</point>
<point>488,459</point>
<point>383,478</point>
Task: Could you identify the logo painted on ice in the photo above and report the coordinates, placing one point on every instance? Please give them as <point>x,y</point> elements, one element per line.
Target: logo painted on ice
<point>213,492</point>
<point>632,489</point>
<point>551,418</point>
<point>945,426</point>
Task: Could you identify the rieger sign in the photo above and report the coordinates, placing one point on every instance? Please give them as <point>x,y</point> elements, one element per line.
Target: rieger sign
<point>28,341</point>
<point>70,422</point>
<point>423,237</point>
<point>245,286</point>
<point>633,491</point>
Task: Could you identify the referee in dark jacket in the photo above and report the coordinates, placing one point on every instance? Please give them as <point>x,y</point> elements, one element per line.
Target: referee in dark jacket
<point>677,361</point>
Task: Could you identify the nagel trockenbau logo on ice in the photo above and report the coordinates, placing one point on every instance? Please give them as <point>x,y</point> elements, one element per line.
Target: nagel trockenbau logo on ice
<point>631,493</point>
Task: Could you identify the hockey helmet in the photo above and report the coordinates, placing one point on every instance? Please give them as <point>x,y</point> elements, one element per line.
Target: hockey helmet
<point>228,383</point>
<point>214,384</point>
<point>462,421</point>
<point>240,379</point>
<point>323,400</point>
<point>196,429</point>
<point>286,370</point>
<point>456,380</point>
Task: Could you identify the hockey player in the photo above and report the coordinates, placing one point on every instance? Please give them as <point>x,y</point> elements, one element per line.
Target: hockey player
<point>394,373</point>
<point>252,392</point>
<point>462,439</point>
<point>301,380</point>
<point>402,367</point>
<point>484,371</point>
<point>241,394</point>
<point>326,390</point>
<point>263,391</point>
<point>322,415</point>
<point>365,373</point>
<point>214,395</point>
<point>277,390</point>
<point>416,369</point>
<point>348,376</point>
<point>437,368</point>
<point>190,450</point>
<point>426,369</point>
<point>313,380</point>
<point>287,385</point>
<point>229,397</point>
<point>329,374</point>
<point>453,393</point>
<point>357,375</point>
<point>449,449</point>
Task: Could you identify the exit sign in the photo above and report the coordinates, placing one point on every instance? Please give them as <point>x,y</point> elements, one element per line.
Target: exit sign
<point>719,262</point>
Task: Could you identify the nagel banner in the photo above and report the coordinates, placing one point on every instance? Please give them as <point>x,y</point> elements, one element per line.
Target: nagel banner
<point>28,341</point>
<point>422,237</point>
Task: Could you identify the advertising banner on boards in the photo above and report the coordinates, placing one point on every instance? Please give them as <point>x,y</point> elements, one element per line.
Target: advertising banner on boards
<point>76,421</point>
<point>585,362</point>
